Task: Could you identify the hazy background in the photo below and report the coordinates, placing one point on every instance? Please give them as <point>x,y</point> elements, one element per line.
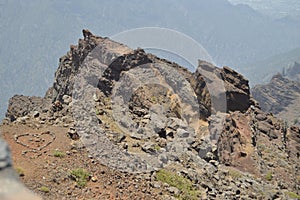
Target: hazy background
<point>257,38</point>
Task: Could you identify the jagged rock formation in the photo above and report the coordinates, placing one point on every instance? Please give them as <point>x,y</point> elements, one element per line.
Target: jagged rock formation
<point>20,106</point>
<point>293,72</point>
<point>136,113</point>
<point>280,97</point>
<point>236,88</point>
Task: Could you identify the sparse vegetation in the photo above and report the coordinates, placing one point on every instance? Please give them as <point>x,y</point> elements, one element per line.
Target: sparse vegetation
<point>156,148</point>
<point>235,174</point>
<point>293,195</point>
<point>181,183</point>
<point>154,99</point>
<point>261,147</point>
<point>59,154</point>
<point>97,111</point>
<point>44,189</point>
<point>269,176</point>
<point>20,171</point>
<point>81,176</point>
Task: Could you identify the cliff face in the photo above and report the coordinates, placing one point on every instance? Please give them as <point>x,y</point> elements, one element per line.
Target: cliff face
<point>137,113</point>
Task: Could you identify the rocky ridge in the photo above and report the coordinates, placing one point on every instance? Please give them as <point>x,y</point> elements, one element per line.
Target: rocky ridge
<point>237,151</point>
<point>280,97</point>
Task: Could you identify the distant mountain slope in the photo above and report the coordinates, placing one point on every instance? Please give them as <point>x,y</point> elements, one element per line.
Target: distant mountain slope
<point>281,97</point>
<point>293,71</point>
<point>274,8</point>
<point>262,71</point>
<point>34,33</point>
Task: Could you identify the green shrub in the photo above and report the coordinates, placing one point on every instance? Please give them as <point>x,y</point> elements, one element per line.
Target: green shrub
<point>81,176</point>
<point>181,183</point>
<point>44,189</point>
<point>293,195</point>
<point>156,148</point>
<point>20,171</point>
<point>235,174</point>
<point>59,154</point>
<point>269,176</point>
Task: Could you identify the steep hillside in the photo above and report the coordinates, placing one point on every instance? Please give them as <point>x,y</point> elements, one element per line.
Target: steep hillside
<point>267,68</point>
<point>123,124</point>
<point>281,96</point>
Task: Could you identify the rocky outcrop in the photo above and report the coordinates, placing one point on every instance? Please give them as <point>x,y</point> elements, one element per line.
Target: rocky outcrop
<point>70,63</point>
<point>137,113</point>
<point>20,106</point>
<point>260,144</point>
<point>235,88</point>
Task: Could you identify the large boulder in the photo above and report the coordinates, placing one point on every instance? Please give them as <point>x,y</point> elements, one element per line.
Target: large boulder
<point>20,106</point>
<point>234,86</point>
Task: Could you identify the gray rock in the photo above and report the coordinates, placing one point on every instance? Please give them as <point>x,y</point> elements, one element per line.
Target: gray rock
<point>156,185</point>
<point>120,138</point>
<point>173,190</point>
<point>149,147</point>
<point>264,126</point>
<point>67,99</point>
<point>261,117</point>
<point>36,114</point>
<point>182,133</point>
<point>72,133</point>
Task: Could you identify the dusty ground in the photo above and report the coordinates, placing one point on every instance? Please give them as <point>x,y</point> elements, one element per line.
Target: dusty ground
<point>42,170</point>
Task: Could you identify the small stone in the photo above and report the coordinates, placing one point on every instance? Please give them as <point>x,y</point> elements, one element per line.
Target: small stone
<point>148,147</point>
<point>74,151</point>
<point>67,99</point>
<point>72,133</point>
<point>174,190</point>
<point>35,114</point>
<point>261,117</point>
<point>94,179</point>
<point>147,116</point>
<point>214,162</point>
<point>182,133</point>
<point>120,138</point>
<point>125,146</point>
<point>95,97</point>
<point>155,185</point>
<point>136,144</point>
